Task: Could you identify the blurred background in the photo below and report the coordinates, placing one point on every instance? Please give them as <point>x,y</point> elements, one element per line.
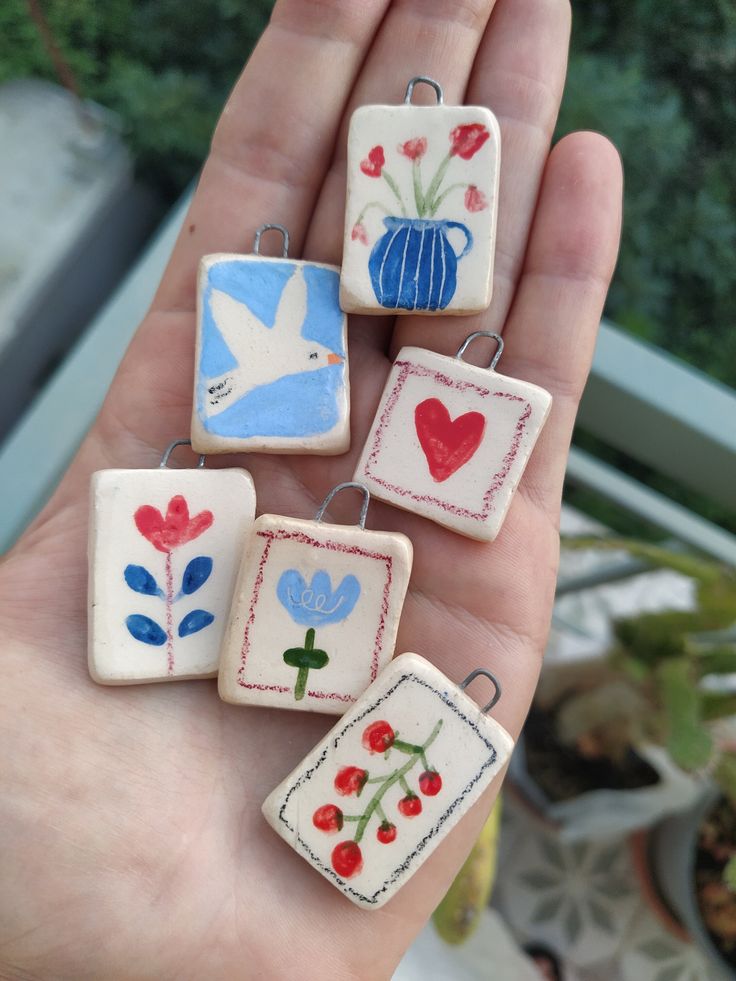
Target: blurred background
<point>106,111</point>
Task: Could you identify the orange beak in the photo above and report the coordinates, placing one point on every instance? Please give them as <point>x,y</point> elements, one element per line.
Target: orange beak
<point>334,359</point>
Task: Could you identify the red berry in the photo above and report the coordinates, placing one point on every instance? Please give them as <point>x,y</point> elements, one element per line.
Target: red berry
<point>328,818</point>
<point>350,780</point>
<point>378,737</point>
<point>410,805</point>
<point>430,783</point>
<point>386,833</point>
<point>347,860</point>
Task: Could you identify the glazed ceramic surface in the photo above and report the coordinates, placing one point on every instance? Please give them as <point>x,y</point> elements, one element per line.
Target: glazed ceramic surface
<point>450,441</point>
<point>373,800</point>
<point>271,357</point>
<point>315,614</point>
<point>420,220</point>
<point>163,557</point>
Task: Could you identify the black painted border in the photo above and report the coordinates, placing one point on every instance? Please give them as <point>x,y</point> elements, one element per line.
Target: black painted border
<point>405,865</point>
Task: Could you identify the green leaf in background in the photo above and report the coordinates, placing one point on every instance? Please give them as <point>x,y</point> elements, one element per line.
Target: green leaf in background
<point>457,915</point>
<point>687,741</point>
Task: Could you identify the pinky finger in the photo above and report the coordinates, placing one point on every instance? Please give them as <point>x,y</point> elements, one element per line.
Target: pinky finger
<point>552,325</point>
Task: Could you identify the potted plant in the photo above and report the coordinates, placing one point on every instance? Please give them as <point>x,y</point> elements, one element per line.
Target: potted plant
<point>616,743</point>
<point>692,861</point>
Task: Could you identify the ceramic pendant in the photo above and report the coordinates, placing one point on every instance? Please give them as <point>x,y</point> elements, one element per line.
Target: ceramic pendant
<point>271,356</point>
<point>375,798</point>
<point>420,220</point>
<point>315,613</point>
<point>450,441</point>
<point>164,551</point>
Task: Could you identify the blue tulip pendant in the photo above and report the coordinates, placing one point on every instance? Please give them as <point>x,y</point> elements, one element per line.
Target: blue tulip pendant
<point>315,612</point>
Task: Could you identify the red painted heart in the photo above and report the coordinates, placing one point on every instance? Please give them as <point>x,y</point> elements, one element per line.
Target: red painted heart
<point>448,444</point>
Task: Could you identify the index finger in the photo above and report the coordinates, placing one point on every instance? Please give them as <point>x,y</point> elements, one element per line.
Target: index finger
<point>275,136</point>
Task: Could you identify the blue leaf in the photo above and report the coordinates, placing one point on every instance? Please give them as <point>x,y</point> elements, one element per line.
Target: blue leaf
<point>194,621</point>
<point>145,629</point>
<point>196,574</point>
<point>141,580</point>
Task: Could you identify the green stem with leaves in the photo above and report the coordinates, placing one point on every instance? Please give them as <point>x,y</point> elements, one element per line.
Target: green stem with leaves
<point>438,201</point>
<point>434,185</point>
<point>416,753</point>
<point>395,189</point>
<point>418,193</point>
<point>372,204</point>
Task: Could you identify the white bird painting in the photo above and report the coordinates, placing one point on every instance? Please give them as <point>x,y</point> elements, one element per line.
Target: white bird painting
<point>263,354</point>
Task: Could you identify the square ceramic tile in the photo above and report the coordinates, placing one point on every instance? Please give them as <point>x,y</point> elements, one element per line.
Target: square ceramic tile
<point>450,441</point>
<point>271,357</point>
<point>315,614</point>
<point>373,800</point>
<point>163,557</point>
<point>420,220</point>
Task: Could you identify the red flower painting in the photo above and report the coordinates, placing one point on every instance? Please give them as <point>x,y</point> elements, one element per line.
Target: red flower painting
<point>465,141</point>
<point>177,528</point>
<point>475,199</point>
<point>359,233</point>
<point>414,149</point>
<point>373,163</point>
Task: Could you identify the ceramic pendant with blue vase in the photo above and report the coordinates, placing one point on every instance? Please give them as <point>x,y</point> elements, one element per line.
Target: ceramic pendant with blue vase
<point>420,221</point>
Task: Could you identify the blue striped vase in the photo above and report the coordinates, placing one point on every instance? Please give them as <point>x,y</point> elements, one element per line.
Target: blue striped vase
<point>413,266</point>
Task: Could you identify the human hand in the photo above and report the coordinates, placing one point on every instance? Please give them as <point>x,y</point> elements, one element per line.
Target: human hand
<point>132,840</point>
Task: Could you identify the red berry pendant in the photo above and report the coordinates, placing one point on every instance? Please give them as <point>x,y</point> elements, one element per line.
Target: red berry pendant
<point>408,760</point>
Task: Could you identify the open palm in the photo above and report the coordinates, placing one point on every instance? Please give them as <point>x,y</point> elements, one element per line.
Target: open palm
<point>132,844</point>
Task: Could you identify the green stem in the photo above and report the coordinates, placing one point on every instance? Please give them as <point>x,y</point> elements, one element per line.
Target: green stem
<point>404,786</point>
<point>441,198</point>
<point>403,747</point>
<point>372,204</point>
<point>395,188</point>
<point>303,673</point>
<point>397,775</point>
<point>418,195</point>
<point>381,813</point>
<point>434,185</point>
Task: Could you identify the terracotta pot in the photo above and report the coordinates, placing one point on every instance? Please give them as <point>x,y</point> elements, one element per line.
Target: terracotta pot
<point>672,854</point>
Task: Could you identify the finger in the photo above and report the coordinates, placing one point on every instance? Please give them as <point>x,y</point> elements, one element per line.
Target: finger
<point>519,74</point>
<point>438,38</point>
<point>275,136</point>
<point>551,330</point>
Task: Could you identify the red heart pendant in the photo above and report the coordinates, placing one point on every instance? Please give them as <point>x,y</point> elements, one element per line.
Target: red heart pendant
<point>447,444</point>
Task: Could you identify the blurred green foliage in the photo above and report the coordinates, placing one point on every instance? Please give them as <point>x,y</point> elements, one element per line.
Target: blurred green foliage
<point>657,77</point>
<point>163,66</point>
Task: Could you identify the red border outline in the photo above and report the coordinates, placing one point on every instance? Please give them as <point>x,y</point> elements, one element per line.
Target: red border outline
<point>407,369</point>
<point>282,534</point>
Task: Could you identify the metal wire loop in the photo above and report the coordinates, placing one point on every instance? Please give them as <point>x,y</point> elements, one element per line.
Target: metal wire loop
<point>427,81</point>
<point>271,226</point>
<point>492,678</point>
<point>482,333</point>
<point>171,447</point>
<point>340,487</point>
